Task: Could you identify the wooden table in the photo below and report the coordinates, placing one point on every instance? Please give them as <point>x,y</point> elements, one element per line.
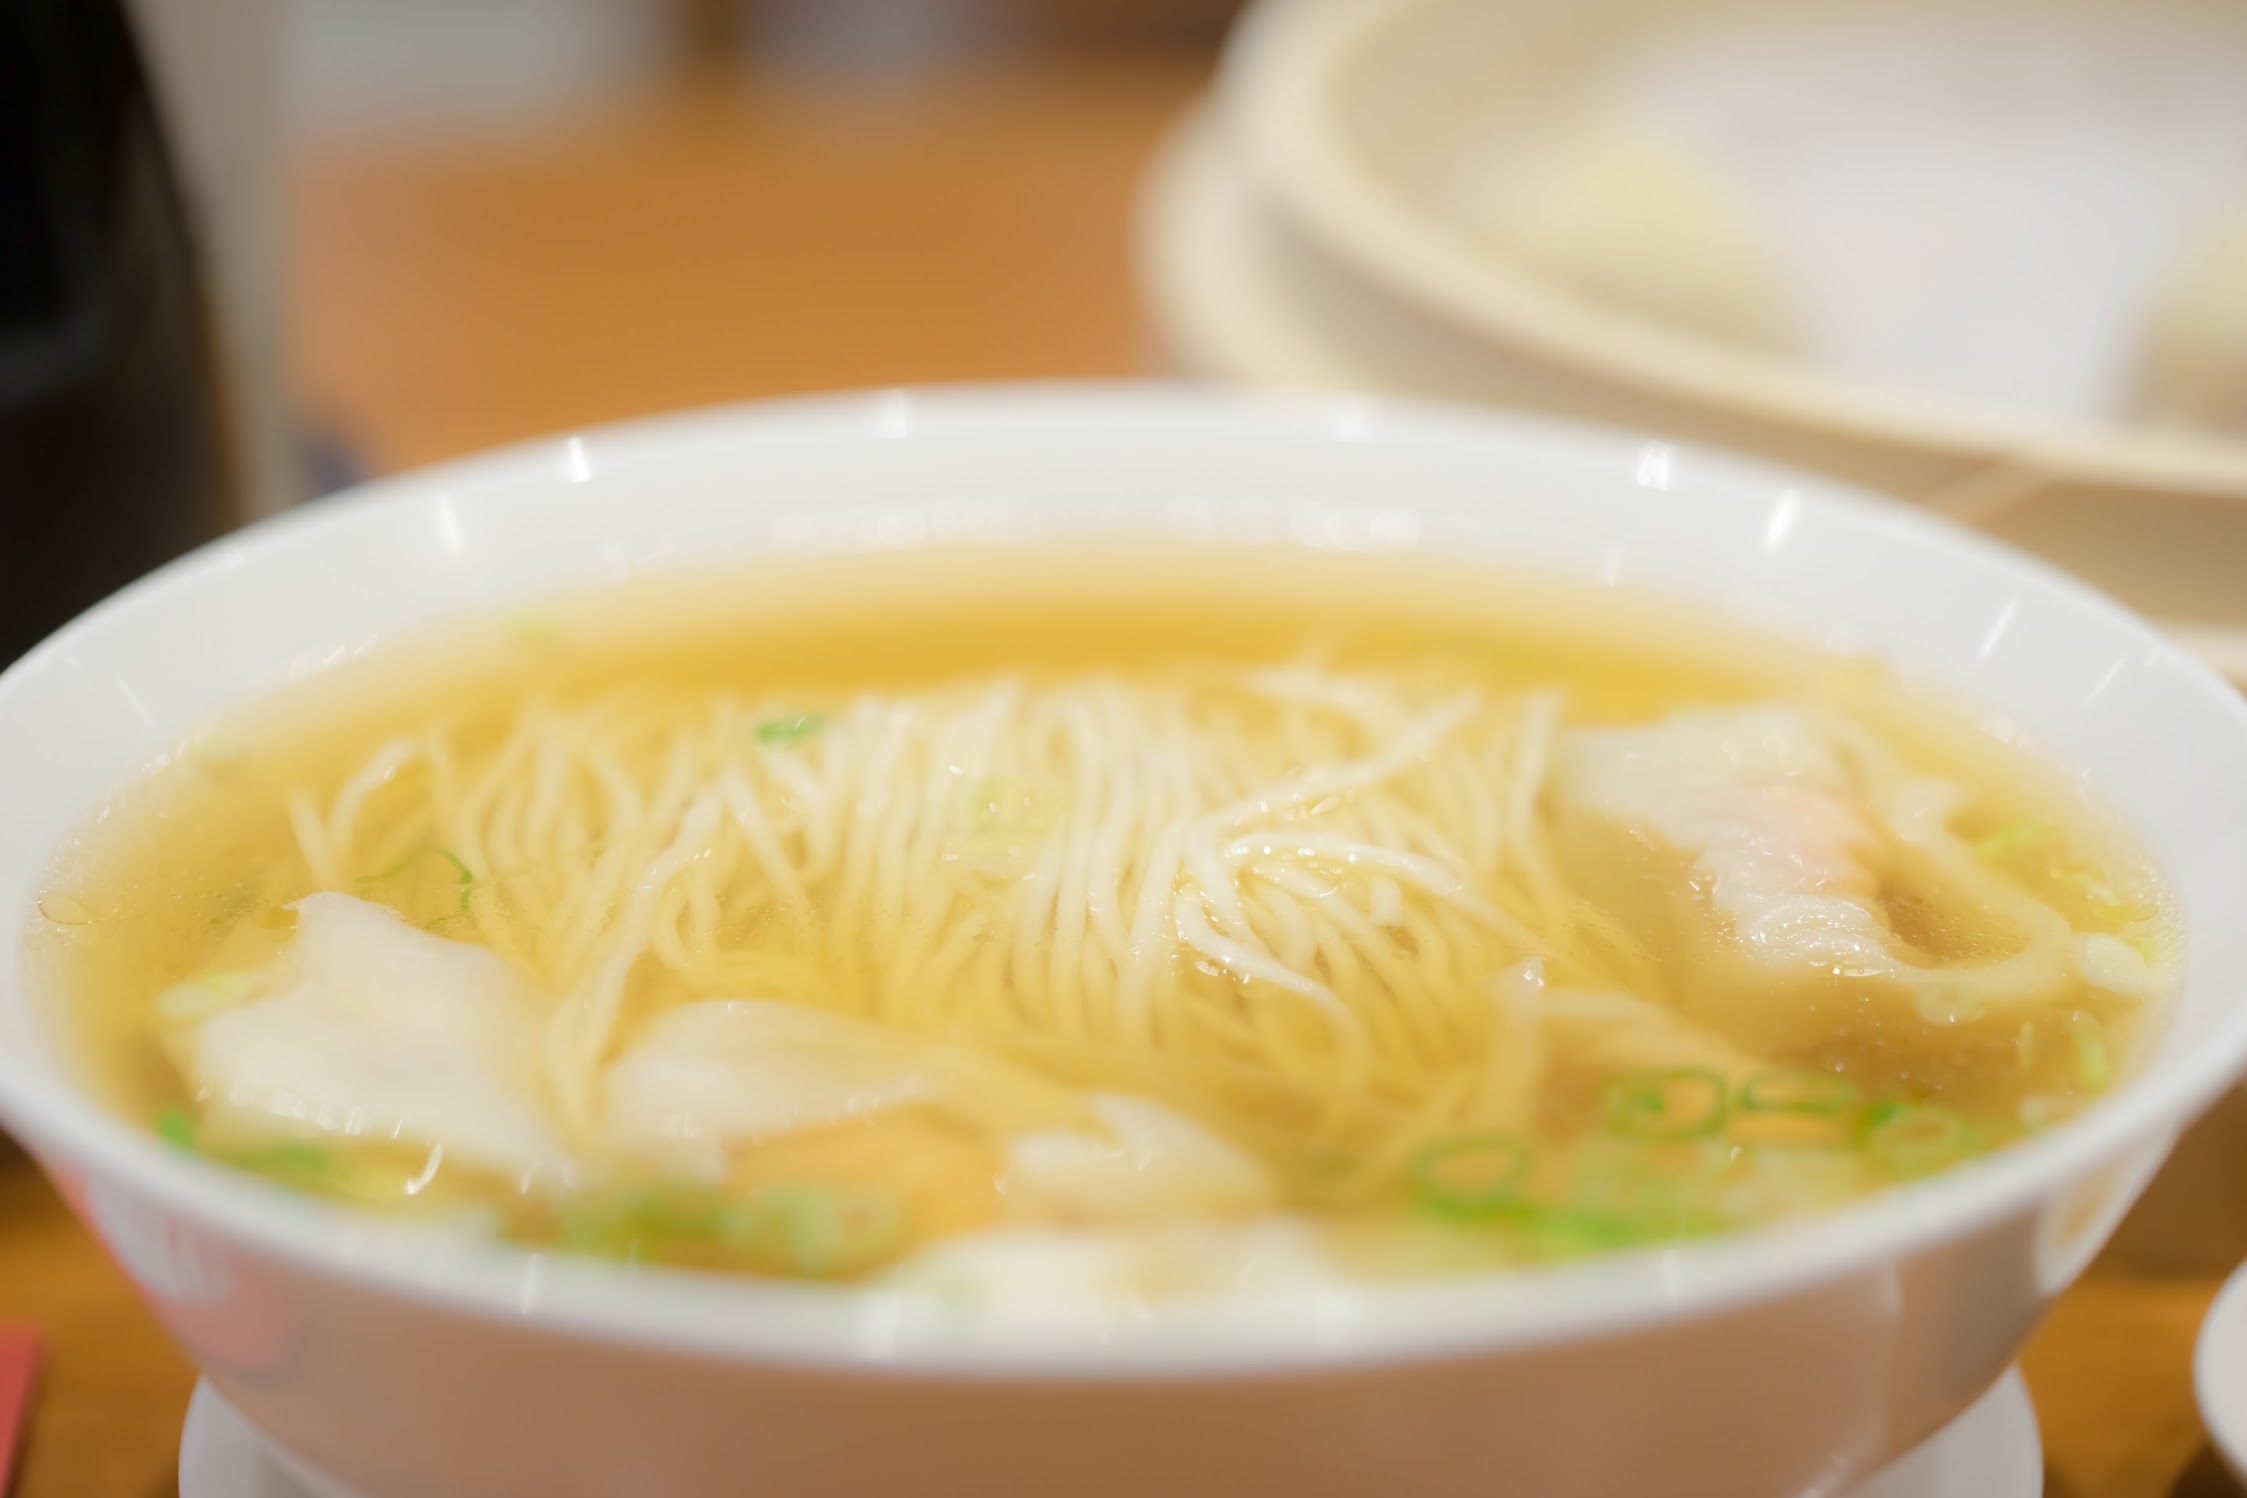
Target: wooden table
<point>713,245</point>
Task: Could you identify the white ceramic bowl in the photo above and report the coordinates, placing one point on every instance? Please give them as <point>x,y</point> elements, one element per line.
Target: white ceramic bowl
<point>1770,1365</point>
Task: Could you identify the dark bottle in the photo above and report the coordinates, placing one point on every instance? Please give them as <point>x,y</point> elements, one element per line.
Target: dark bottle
<point>113,455</point>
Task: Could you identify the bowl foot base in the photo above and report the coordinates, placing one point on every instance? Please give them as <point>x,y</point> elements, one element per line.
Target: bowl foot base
<point>1991,1451</point>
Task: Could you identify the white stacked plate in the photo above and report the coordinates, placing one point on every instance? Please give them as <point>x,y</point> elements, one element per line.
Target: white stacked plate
<point>1977,215</point>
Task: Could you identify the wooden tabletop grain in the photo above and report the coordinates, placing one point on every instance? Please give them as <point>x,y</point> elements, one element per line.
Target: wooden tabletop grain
<point>719,243</point>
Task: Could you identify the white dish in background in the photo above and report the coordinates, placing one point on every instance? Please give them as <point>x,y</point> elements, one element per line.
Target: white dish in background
<point>1350,120</point>
<point>2219,1374</point>
<point>1237,293</point>
<point>412,1362</point>
<point>1991,1451</point>
<point>1362,117</point>
<point>1974,203</point>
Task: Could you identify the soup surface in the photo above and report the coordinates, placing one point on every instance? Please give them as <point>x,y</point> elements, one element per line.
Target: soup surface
<point>1130,923</point>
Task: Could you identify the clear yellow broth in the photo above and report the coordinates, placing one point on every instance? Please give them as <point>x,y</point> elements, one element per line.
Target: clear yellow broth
<point>192,870</point>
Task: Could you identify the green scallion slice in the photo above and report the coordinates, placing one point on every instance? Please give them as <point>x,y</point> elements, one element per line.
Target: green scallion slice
<point>792,729</point>
<point>176,1127</point>
<point>2007,841</point>
<point>1914,1139</point>
<point>1471,1177</point>
<point>1679,1103</point>
<point>2094,1063</point>
<point>1806,1093</point>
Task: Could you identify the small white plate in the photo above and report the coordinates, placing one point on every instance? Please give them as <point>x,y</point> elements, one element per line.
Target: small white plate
<point>2219,1374</point>
<point>1991,1451</point>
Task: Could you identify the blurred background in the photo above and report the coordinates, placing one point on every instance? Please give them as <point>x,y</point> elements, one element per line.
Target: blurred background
<point>510,217</point>
<point>1988,256</point>
<point>252,250</point>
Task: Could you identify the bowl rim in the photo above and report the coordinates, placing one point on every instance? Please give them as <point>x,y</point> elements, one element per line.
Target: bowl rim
<point>869,1330</point>
<point>1281,72</point>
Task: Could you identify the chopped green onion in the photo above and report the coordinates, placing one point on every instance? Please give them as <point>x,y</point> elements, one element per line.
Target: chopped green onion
<point>595,1225</point>
<point>1682,1103</point>
<point>2007,841</point>
<point>2094,1067</point>
<point>176,1127</point>
<point>1794,1111</point>
<point>283,1160</point>
<point>691,1212</point>
<point>1884,1112</point>
<point>1654,1190</point>
<point>1915,1139</point>
<point>386,875</point>
<point>463,876</point>
<point>814,1231</point>
<point>1005,804</point>
<point>625,1223</point>
<point>1811,1094</point>
<point>1007,818</point>
<point>1473,1176</point>
<point>293,1164</point>
<point>779,732</point>
<point>289,1157</point>
<point>1573,1233</point>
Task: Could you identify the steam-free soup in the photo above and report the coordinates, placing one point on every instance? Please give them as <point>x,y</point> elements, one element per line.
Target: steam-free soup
<point>1127,922</point>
